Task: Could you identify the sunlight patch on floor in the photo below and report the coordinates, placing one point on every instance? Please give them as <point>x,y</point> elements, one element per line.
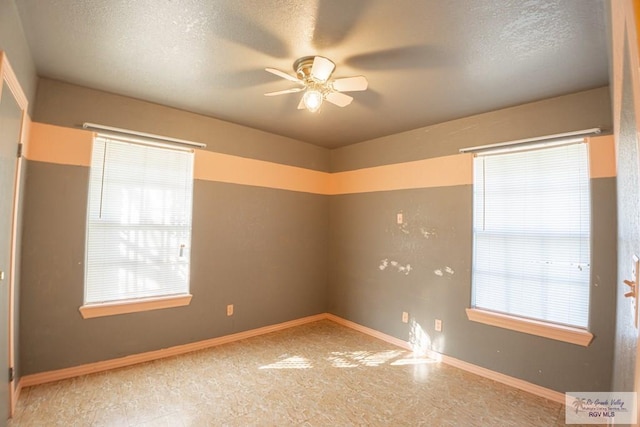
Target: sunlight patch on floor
<point>352,359</point>
<point>420,360</point>
<point>293,362</point>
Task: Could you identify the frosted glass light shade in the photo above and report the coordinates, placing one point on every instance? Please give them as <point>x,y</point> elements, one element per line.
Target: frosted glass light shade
<point>312,100</point>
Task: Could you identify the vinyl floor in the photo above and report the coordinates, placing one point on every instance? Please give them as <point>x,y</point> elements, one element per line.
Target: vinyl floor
<point>318,374</point>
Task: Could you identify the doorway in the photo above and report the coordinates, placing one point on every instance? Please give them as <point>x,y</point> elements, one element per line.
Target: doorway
<point>13,105</point>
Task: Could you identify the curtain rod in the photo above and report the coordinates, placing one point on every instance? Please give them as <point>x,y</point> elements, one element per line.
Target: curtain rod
<point>546,138</point>
<point>142,134</point>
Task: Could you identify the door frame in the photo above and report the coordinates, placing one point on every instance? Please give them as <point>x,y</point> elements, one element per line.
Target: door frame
<point>631,12</point>
<point>9,77</point>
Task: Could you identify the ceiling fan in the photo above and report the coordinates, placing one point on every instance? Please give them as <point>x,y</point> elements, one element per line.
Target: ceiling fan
<point>313,75</point>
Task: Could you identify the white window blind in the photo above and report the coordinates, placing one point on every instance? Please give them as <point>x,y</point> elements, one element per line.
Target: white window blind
<point>532,234</point>
<point>139,221</point>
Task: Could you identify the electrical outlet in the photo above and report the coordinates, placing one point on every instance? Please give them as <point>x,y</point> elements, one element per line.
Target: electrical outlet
<point>230,310</point>
<point>438,325</point>
<point>405,317</point>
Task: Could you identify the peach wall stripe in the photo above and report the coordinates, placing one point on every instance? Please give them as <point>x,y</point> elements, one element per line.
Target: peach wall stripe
<point>436,172</point>
<point>219,167</point>
<point>56,144</point>
<point>602,156</point>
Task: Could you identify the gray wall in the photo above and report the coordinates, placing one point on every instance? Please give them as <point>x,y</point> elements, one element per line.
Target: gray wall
<point>626,335</point>
<point>582,110</point>
<point>14,43</point>
<point>364,233</point>
<point>263,250</point>
<point>69,105</point>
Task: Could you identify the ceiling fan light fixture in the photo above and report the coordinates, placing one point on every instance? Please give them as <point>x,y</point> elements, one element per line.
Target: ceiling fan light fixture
<point>312,100</point>
<point>313,76</point>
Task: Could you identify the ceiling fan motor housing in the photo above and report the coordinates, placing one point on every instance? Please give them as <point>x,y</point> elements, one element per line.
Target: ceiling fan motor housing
<point>302,67</point>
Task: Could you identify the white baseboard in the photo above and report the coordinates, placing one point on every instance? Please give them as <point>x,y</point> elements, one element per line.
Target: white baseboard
<point>60,374</point>
<point>372,332</point>
<point>523,385</point>
<point>91,368</point>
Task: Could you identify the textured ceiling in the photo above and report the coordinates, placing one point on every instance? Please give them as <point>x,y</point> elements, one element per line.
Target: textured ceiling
<point>427,61</point>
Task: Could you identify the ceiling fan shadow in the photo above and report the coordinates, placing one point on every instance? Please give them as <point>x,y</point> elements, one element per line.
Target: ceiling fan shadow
<point>289,105</point>
<point>369,98</point>
<point>244,78</point>
<point>336,20</point>
<point>406,57</point>
<point>242,30</point>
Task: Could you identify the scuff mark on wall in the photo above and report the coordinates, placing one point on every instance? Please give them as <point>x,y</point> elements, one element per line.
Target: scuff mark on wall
<point>406,269</point>
<point>417,225</point>
<point>447,269</point>
<point>427,233</point>
<point>403,228</point>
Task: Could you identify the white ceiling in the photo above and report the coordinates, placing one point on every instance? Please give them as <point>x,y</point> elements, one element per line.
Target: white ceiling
<point>427,61</point>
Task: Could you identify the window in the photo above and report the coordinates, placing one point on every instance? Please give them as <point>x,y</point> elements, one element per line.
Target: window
<point>531,234</point>
<point>138,223</point>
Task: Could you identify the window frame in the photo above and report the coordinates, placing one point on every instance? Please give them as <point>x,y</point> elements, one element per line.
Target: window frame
<point>570,334</point>
<point>134,305</point>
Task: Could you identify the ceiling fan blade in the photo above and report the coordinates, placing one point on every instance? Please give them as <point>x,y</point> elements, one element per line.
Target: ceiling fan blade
<point>301,105</point>
<point>351,84</point>
<point>322,68</point>
<point>283,75</point>
<point>282,92</point>
<point>339,99</point>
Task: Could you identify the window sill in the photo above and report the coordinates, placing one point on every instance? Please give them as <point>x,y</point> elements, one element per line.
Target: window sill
<point>133,306</point>
<point>532,327</point>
